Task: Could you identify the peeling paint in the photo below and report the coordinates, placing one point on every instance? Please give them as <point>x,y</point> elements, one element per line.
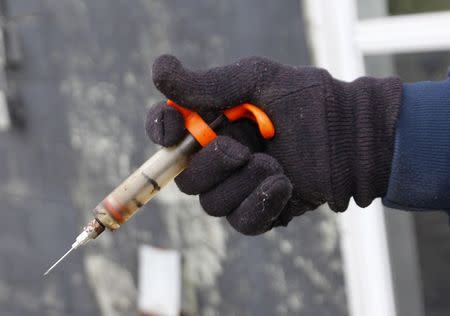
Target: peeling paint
<point>286,246</point>
<point>112,285</point>
<point>276,275</point>
<point>102,139</point>
<point>295,302</point>
<point>200,238</point>
<point>29,301</point>
<point>328,231</point>
<point>317,278</point>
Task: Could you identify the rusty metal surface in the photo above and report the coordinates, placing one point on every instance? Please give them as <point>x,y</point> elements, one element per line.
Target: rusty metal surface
<point>85,84</point>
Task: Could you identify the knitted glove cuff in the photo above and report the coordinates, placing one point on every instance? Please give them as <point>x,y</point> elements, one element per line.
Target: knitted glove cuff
<point>360,119</point>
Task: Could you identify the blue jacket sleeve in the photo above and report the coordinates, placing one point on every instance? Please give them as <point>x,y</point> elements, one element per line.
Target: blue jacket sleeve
<point>420,175</point>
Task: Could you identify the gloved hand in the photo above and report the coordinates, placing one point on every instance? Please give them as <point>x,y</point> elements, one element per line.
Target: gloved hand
<point>333,139</point>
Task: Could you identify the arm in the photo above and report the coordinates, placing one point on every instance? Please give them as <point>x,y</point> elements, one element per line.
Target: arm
<point>420,177</point>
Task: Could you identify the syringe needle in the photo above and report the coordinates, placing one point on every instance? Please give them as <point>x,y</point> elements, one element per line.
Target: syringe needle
<point>91,231</point>
<point>56,263</point>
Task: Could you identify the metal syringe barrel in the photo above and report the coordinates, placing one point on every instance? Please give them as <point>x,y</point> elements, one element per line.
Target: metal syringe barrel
<point>141,186</point>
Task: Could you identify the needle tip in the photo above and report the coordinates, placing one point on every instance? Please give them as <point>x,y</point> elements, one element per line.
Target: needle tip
<point>56,263</point>
<point>90,232</point>
<point>48,271</point>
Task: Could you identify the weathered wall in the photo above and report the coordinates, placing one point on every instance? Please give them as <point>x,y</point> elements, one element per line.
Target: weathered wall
<point>85,83</point>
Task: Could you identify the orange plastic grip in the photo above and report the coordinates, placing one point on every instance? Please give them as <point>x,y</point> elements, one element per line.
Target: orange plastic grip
<point>254,113</point>
<point>204,134</point>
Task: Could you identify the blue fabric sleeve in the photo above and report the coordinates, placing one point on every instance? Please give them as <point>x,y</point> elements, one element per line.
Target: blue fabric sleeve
<point>420,175</point>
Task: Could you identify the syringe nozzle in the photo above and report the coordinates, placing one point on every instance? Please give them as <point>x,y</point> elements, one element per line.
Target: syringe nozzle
<point>91,231</point>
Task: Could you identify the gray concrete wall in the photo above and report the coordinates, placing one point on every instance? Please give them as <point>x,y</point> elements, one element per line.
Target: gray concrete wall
<point>85,84</point>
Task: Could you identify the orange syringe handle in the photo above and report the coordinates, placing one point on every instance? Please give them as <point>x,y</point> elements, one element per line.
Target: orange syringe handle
<point>204,134</point>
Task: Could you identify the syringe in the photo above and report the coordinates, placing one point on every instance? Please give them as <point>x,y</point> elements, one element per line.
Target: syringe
<point>143,184</point>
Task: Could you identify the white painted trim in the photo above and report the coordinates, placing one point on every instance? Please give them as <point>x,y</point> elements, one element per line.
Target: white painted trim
<point>404,33</point>
<point>159,281</point>
<point>330,25</point>
<point>370,291</point>
<point>5,122</point>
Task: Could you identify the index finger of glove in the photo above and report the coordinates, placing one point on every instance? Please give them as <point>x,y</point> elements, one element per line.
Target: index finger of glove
<point>211,90</point>
<point>212,165</point>
<point>164,125</point>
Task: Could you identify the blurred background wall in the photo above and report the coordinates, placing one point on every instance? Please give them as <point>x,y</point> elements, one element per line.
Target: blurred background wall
<point>78,88</point>
<point>84,82</point>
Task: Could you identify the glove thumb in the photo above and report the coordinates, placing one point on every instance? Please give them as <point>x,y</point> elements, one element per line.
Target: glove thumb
<point>211,90</point>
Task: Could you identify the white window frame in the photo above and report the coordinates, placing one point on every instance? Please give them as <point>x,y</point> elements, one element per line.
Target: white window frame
<point>5,121</point>
<point>339,42</point>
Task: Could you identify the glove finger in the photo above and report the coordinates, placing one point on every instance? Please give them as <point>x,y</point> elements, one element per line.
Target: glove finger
<point>260,209</point>
<point>164,125</point>
<point>296,207</point>
<point>229,194</point>
<point>210,90</point>
<point>246,132</point>
<point>213,164</point>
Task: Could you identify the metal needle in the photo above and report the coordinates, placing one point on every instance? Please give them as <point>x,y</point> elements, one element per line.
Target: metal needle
<point>91,231</point>
<point>56,263</point>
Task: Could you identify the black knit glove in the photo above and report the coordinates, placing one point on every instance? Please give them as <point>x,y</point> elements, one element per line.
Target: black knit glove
<point>333,140</point>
